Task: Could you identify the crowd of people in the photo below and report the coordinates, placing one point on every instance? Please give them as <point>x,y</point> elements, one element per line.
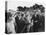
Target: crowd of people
<point>26,20</point>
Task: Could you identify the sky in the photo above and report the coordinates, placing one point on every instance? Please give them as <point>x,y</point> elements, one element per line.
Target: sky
<point>13,4</point>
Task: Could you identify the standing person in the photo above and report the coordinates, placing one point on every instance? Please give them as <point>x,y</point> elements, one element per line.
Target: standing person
<point>35,22</point>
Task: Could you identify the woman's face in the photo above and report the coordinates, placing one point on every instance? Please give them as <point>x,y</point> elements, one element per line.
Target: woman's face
<point>28,16</point>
